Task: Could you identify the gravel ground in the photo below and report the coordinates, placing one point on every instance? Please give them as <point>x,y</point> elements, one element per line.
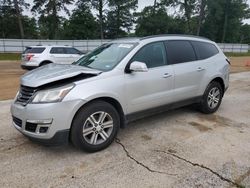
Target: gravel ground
<point>181,148</point>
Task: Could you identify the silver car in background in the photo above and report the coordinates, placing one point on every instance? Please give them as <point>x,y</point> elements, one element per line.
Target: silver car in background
<point>87,102</point>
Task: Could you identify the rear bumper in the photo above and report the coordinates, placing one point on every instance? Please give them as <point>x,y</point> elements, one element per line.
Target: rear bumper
<point>25,67</point>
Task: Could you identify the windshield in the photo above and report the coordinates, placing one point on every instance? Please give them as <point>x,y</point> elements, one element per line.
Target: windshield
<point>106,57</point>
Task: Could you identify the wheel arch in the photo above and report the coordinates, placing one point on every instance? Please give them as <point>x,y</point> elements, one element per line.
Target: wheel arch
<point>111,101</point>
<point>44,62</point>
<point>220,81</point>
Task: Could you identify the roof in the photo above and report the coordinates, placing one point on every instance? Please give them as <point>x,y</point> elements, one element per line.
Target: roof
<point>165,36</point>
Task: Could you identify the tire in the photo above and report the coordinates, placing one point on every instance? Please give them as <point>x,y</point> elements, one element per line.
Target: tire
<point>212,98</point>
<point>88,130</point>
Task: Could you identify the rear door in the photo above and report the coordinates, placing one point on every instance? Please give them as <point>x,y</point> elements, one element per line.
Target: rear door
<point>188,71</point>
<point>59,55</point>
<point>145,90</point>
<point>73,53</point>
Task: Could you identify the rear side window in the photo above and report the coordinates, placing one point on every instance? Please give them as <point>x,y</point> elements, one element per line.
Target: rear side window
<point>72,51</point>
<point>180,52</point>
<point>153,55</point>
<point>57,50</point>
<point>204,50</point>
<point>34,50</point>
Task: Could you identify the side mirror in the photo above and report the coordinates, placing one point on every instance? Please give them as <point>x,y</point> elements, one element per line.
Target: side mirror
<point>137,66</point>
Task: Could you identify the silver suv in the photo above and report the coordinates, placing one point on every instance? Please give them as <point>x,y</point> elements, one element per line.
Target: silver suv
<point>36,56</point>
<point>87,102</point>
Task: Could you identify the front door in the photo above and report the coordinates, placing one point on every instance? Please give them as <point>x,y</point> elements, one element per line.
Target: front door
<point>145,90</point>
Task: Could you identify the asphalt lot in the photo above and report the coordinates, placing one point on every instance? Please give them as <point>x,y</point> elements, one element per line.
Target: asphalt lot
<point>181,148</point>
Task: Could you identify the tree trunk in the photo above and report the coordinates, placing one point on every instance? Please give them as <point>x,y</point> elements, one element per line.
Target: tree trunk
<point>201,16</point>
<point>187,14</point>
<point>101,18</point>
<point>225,21</point>
<point>155,1</point>
<point>19,18</point>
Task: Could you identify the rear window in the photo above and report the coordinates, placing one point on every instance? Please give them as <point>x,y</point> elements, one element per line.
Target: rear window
<point>204,50</point>
<point>34,50</point>
<point>180,51</point>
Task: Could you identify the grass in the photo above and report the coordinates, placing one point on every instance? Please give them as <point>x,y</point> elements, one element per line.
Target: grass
<point>10,56</point>
<point>234,54</point>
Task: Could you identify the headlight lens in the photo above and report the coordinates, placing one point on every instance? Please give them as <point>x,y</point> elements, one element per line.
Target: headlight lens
<point>52,95</point>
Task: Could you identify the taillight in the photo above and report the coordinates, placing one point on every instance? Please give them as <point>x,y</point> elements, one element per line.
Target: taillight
<point>29,56</point>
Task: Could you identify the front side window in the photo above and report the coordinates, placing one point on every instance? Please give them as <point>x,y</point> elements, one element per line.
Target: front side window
<point>153,55</point>
<point>204,50</point>
<point>180,51</point>
<point>106,57</point>
<point>57,50</point>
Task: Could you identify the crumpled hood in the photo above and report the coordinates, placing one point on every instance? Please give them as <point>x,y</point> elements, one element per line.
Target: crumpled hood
<point>54,72</point>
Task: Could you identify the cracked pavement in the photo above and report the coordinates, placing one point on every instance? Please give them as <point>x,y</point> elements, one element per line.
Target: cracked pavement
<point>180,148</point>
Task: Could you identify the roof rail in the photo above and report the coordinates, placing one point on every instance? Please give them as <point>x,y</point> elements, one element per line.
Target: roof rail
<point>173,35</point>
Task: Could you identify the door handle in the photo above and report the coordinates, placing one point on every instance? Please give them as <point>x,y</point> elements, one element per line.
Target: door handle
<point>200,69</point>
<point>167,75</point>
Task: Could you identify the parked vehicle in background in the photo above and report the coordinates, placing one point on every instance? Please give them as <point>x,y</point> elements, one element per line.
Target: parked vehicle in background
<point>87,102</point>
<point>36,56</point>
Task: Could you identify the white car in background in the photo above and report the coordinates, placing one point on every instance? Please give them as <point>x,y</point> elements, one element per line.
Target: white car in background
<point>36,56</point>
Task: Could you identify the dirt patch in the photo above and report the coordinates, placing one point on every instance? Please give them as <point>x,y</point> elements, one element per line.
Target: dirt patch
<point>199,126</point>
<point>10,73</point>
<point>146,137</point>
<point>240,64</point>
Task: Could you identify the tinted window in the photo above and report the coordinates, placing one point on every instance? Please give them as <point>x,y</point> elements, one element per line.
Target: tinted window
<point>204,50</point>
<point>57,50</point>
<point>180,52</point>
<point>34,50</point>
<point>153,55</point>
<point>72,51</point>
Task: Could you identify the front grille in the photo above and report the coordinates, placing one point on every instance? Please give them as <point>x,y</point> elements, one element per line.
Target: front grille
<point>17,121</point>
<point>31,127</point>
<point>25,93</point>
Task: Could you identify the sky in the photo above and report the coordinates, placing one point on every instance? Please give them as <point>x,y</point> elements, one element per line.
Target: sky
<point>141,5</point>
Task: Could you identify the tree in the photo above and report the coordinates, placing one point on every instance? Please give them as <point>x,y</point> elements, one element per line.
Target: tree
<point>218,16</point>
<point>186,11</point>
<point>244,34</point>
<point>202,6</point>
<point>49,19</point>
<point>81,25</point>
<point>99,6</point>
<point>9,27</point>
<point>120,18</point>
<point>18,6</point>
<point>153,20</point>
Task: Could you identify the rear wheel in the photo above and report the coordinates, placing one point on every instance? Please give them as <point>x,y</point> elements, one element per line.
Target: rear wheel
<point>95,126</point>
<point>212,98</point>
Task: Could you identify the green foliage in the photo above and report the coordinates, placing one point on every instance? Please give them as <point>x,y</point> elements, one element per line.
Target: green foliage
<point>49,20</point>
<point>219,20</point>
<point>81,25</point>
<point>120,18</point>
<point>9,24</point>
<point>153,21</point>
<point>10,56</point>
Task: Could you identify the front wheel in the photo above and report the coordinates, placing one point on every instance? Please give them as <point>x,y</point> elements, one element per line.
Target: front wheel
<point>95,126</point>
<point>212,98</point>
